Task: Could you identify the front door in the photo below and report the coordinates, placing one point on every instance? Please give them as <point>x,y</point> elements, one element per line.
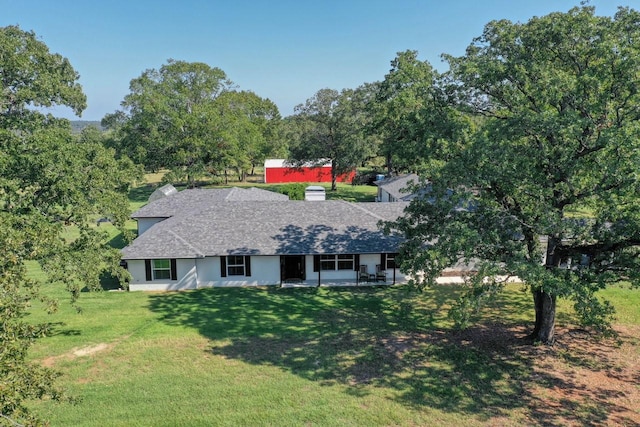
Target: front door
<point>292,267</point>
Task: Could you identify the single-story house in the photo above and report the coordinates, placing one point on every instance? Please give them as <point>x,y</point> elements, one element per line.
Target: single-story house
<point>283,171</point>
<point>393,189</point>
<point>238,237</point>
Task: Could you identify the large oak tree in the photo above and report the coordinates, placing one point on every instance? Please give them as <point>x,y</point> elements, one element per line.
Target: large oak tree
<point>548,190</point>
<point>50,181</point>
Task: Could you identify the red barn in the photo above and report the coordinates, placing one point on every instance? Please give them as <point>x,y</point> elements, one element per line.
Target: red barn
<point>279,170</point>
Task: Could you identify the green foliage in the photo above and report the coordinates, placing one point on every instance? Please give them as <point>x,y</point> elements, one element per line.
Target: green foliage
<point>331,126</point>
<point>50,182</point>
<point>295,191</point>
<point>419,128</point>
<point>187,118</point>
<point>558,97</point>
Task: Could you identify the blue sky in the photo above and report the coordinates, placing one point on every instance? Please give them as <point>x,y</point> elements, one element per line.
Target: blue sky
<point>281,50</point>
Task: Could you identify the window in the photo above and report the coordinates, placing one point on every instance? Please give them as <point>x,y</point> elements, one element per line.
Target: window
<point>160,269</point>
<point>391,261</point>
<point>345,262</point>
<point>336,262</point>
<point>327,262</point>
<point>235,265</point>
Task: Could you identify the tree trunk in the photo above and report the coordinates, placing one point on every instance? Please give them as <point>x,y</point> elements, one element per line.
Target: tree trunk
<point>545,302</point>
<point>334,175</point>
<point>545,308</point>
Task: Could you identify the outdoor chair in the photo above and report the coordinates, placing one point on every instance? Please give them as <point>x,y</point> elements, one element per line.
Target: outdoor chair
<point>381,274</point>
<point>363,274</point>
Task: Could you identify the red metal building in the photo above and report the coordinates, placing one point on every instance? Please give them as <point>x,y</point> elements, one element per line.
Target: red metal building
<point>279,171</point>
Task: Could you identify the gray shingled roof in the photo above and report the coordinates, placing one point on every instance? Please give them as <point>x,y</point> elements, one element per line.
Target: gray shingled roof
<point>395,186</point>
<point>270,228</point>
<point>190,201</point>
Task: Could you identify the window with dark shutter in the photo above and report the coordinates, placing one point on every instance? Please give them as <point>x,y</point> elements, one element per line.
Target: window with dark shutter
<point>391,261</point>
<point>316,263</point>
<point>235,265</point>
<point>147,269</point>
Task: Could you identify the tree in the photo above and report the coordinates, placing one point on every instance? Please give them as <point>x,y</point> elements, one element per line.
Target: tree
<point>330,126</point>
<point>170,119</point>
<point>187,117</point>
<point>249,130</point>
<point>549,187</point>
<point>417,125</point>
<point>49,182</point>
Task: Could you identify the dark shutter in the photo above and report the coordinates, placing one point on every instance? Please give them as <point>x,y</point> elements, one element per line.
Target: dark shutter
<point>316,263</point>
<point>174,270</point>
<point>383,261</point>
<point>356,262</point>
<point>223,266</point>
<point>247,266</point>
<point>147,269</point>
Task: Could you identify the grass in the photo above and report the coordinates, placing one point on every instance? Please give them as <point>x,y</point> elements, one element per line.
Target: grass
<point>352,193</point>
<point>258,356</point>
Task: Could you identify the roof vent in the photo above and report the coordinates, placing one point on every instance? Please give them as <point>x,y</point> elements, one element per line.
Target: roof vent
<point>314,193</point>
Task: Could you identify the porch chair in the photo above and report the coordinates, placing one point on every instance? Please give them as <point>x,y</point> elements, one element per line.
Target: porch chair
<point>363,274</point>
<point>381,274</point>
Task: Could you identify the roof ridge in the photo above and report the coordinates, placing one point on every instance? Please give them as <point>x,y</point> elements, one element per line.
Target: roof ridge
<point>230,192</point>
<point>198,251</point>
<point>363,209</point>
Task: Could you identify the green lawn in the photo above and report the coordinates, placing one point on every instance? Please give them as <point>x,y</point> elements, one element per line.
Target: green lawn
<point>257,356</point>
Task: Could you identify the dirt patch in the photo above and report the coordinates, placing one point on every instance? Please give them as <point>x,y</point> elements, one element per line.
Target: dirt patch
<point>86,351</point>
<point>578,381</point>
<point>585,381</point>
<point>77,352</point>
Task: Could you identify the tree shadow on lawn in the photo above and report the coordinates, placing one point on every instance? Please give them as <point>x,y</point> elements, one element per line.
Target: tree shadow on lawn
<point>390,338</point>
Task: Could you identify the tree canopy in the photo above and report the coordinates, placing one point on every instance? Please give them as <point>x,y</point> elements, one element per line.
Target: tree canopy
<point>188,118</point>
<point>50,182</point>
<point>548,188</point>
<point>331,126</point>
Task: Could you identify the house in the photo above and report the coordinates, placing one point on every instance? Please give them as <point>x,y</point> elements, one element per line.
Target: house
<point>236,237</point>
<point>282,171</point>
<point>394,189</point>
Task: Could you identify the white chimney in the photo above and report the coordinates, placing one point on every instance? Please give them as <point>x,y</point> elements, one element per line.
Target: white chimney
<point>314,193</point>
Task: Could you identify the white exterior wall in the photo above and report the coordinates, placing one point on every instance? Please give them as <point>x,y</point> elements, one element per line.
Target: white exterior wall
<point>265,270</point>
<point>146,223</point>
<point>185,270</point>
<point>383,196</point>
<point>205,272</point>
